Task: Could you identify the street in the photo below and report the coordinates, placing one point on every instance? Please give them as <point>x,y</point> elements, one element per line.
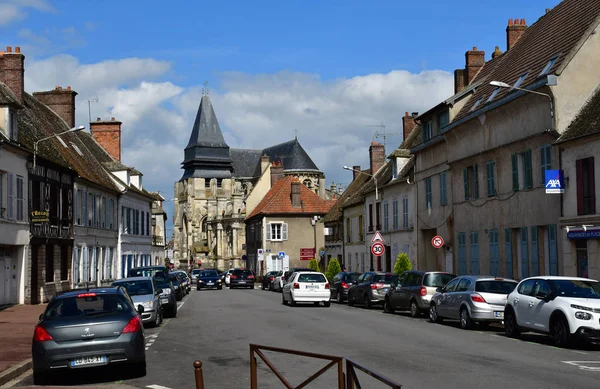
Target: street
<point>216,327</point>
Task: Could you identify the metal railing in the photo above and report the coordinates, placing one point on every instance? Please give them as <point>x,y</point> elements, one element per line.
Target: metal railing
<point>352,380</point>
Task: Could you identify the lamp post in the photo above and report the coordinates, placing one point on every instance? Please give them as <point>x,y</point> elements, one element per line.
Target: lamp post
<point>501,84</point>
<point>374,179</point>
<point>35,144</point>
<point>313,221</point>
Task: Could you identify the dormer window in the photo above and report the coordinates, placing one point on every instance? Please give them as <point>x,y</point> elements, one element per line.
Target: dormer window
<point>427,131</point>
<point>394,168</point>
<point>444,118</point>
<point>13,125</point>
<point>548,66</point>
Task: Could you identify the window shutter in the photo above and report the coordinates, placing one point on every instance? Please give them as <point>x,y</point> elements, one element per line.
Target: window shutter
<point>284,231</point>
<point>592,185</point>
<point>475,182</point>
<point>515,172</point>
<point>466,182</point>
<point>142,233</point>
<point>268,231</point>
<point>528,170</point>
<point>579,178</point>
<point>543,164</point>
<point>10,196</point>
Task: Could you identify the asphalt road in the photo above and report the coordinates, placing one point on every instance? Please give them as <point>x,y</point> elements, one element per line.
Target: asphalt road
<point>216,327</point>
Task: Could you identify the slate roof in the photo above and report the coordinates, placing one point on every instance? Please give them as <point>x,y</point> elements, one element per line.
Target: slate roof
<point>292,155</point>
<point>278,201</point>
<point>7,97</point>
<point>558,33</point>
<point>206,131</point>
<point>37,121</point>
<point>246,162</point>
<point>587,121</point>
<point>335,213</point>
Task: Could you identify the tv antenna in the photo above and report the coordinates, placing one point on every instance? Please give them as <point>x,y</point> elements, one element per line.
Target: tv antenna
<point>90,101</point>
<point>382,133</point>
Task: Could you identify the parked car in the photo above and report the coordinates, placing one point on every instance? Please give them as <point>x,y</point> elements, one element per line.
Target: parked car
<point>566,308</point>
<point>85,328</point>
<point>178,285</point>
<point>147,271</point>
<point>186,281</point>
<point>227,276</point>
<point>194,275</point>
<point>370,288</point>
<point>413,291</point>
<point>209,279</point>
<point>241,278</point>
<point>304,286</point>
<point>267,281</point>
<point>278,282</point>
<point>143,291</point>
<point>168,300</point>
<point>341,283</point>
<point>472,299</point>
<point>291,270</point>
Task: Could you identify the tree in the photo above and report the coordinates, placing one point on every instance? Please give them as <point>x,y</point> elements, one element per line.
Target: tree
<point>333,268</point>
<point>402,264</point>
<point>314,264</point>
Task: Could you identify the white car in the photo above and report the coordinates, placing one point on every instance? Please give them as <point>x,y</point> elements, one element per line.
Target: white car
<point>306,287</point>
<point>565,308</point>
<point>228,276</point>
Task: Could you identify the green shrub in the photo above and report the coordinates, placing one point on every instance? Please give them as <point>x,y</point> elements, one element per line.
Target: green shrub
<point>402,264</point>
<point>314,264</point>
<point>333,268</point>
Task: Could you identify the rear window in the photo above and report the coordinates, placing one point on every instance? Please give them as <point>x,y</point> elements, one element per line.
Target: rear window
<point>385,278</point>
<point>86,305</point>
<point>243,273</point>
<point>352,277</point>
<point>145,272</point>
<point>437,279</point>
<point>195,271</point>
<point>136,288</point>
<point>495,286</point>
<point>316,277</point>
<point>209,274</point>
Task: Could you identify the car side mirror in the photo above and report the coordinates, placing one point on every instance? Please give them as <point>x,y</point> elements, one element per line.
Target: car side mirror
<point>439,289</point>
<point>42,315</point>
<point>140,309</point>
<point>159,291</point>
<point>542,296</point>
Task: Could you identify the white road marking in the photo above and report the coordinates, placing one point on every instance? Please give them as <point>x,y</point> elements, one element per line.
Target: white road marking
<point>154,386</point>
<point>585,365</point>
<point>151,340</point>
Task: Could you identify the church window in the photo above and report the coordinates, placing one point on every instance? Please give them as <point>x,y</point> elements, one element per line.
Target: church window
<point>277,231</point>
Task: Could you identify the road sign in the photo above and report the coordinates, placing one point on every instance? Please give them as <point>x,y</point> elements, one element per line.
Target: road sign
<point>322,252</point>
<point>437,241</point>
<point>377,237</point>
<point>281,254</point>
<point>260,251</point>
<point>377,249</point>
<point>307,254</point>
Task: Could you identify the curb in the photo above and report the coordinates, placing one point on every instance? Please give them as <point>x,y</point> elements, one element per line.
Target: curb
<point>15,371</point>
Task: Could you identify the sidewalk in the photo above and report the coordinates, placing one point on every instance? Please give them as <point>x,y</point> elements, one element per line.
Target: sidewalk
<point>16,331</point>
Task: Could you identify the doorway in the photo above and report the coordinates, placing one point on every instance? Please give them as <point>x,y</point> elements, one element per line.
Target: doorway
<point>582,258</point>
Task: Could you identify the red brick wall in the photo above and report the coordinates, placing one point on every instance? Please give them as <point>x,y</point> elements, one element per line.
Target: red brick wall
<point>475,59</point>
<point>514,30</point>
<point>376,156</point>
<point>108,135</point>
<point>408,125</point>
<point>12,68</point>
<point>61,101</point>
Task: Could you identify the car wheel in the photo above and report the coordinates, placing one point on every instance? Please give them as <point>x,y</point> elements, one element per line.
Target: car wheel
<point>173,312</point>
<point>139,369</point>
<point>560,332</point>
<point>316,303</point>
<point>339,297</point>
<point>511,328</point>
<point>465,319</point>
<point>252,287</point>
<point>283,299</point>
<point>41,378</point>
<point>414,309</point>
<point>433,314</point>
<point>387,306</point>
<point>219,287</point>
<point>292,302</point>
<point>367,302</point>
<point>270,287</point>
<point>327,304</point>
<point>350,299</point>
<point>158,320</point>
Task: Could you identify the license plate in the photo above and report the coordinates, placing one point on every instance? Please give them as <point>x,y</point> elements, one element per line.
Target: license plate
<point>210,283</point>
<point>242,282</point>
<point>312,286</point>
<point>499,314</point>
<point>88,361</point>
<point>164,299</point>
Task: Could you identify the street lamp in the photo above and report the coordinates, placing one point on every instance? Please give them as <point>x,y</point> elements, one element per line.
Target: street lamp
<point>501,84</point>
<point>374,179</point>
<point>313,221</point>
<point>35,144</point>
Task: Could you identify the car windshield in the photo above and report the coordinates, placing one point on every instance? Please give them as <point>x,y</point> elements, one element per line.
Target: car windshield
<point>195,271</point>
<point>352,277</point>
<point>436,280</point>
<point>316,277</point>
<point>242,273</point>
<point>136,288</point>
<point>144,272</point>
<point>210,273</point>
<point>576,288</point>
<point>495,286</point>
<point>383,278</point>
<point>85,305</point>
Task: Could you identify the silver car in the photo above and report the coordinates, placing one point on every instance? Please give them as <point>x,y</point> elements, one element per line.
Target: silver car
<point>87,328</point>
<point>471,299</point>
<point>143,290</point>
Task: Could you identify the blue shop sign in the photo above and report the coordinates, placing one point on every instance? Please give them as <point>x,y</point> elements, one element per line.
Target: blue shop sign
<point>590,234</point>
<point>555,182</point>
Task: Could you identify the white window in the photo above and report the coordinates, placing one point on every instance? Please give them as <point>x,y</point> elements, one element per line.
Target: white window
<point>10,197</point>
<point>277,231</point>
<point>405,213</point>
<point>20,199</point>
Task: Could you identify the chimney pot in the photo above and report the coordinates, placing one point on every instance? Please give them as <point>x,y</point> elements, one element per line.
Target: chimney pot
<point>547,10</point>
<point>510,22</point>
<point>8,49</point>
<point>514,31</point>
<point>523,22</point>
<point>113,119</point>
<point>517,22</point>
<point>17,49</point>
<point>69,87</point>
<point>405,114</point>
<point>98,119</point>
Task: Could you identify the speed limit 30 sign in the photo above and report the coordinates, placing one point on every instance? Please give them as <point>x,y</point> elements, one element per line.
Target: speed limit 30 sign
<point>377,249</point>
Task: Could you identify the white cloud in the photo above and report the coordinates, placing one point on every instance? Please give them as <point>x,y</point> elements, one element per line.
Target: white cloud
<point>255,111</point>
<point>14,10</point>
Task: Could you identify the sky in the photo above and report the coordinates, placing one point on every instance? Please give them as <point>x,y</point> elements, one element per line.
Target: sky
<point>329,71</point>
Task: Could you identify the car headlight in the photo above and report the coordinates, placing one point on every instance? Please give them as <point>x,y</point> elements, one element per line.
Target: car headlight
<point>148,304</point>
<point>201,281</point>
<point>166,291</point>
<point>583,315</point>
<point>579,307</point>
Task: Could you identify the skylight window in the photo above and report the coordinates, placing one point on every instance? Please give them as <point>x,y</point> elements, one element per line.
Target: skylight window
<point>549,65</point>
<point>62,141</point>
<point>476,104</point>
<point>494,93</point>
<point>76,149</point>
<point>520,80</point>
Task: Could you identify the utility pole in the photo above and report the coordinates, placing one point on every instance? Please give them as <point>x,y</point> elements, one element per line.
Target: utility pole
<point>382,133</point>
<point>90,101</point>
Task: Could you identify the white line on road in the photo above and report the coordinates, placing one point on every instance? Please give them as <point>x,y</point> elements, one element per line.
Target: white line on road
<point>585,365</point>
<point>154,386</point>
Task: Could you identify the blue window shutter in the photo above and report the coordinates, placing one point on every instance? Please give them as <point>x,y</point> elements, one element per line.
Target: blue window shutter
<point>553,251</point>
<point>508,252</point>
<point>524,253</point>
<point>535,265</point>
<point>475,183</point>
<point>543,164</point>
<point>474,240</point>
<point>462,254</point>
<point>494,253</point>
<point>528,170</point>
<point>515,171</point>
<point>466,182</point>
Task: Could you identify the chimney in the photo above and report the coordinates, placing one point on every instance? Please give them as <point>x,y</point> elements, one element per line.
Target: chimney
<point>276,172</point>
<point>296,203</point>
<point>61,101</point>
<point>459,80</point>
<point>12,69</point>
<point>497,52</point>
<point>265,162</point>
<point>515,29</point>
<point>376,156</point>
<point>475,59</point>
<point>355,172</point>
<point>333,188</point>
<point>408,125</point>
<point>108,135</point>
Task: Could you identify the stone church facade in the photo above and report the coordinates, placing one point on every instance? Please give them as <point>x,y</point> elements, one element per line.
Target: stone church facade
<point>220,186</point>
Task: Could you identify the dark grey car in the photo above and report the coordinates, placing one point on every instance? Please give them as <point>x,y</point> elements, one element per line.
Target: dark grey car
<point>88,328</point>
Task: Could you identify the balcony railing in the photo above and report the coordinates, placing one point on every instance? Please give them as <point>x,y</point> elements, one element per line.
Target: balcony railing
<point>158,240</point>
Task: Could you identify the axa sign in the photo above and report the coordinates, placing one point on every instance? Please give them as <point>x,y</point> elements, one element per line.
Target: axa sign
<point>555,182</point>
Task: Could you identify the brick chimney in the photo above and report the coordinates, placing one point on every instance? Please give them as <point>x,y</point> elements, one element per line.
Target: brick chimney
<point>497,52</point>
<point>61,101</point>
<point>514,30</point>
<point>459,80</point>
<point>475,59</point>
<point>296,203</point>
<point>276,172</point>
<point>108,135</point>
<point>12,69</point>
<point>355,172</point>
<point>376,156</point>
<point>408,124</point>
